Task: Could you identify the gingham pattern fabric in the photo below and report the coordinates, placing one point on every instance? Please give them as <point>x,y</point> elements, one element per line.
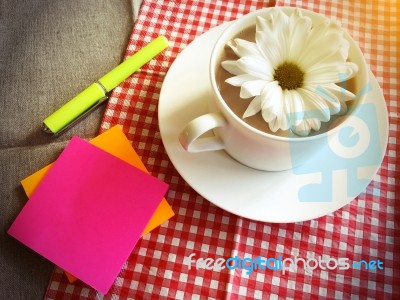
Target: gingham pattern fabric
<point>366,229</point>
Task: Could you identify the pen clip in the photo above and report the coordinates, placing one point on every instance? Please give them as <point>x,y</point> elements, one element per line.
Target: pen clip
<point>77,119</point>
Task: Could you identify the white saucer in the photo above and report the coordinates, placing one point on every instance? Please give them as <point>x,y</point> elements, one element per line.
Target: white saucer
<point>253,194</point>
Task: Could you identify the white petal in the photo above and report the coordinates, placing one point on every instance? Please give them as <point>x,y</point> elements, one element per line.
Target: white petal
<point>232,67</point>
<point>314,124</point>
<point>272,97</point>
<point>240,79</point>
<point>329,58</point>
<point>271,19</point>
<point>263,24</point>
<point>343,109</point>
<point>302,129</point>
<point>330,73</point>
<point>300,27</point>
<point>253,108</point>
<point>244,48</point>
<point>283,41</point>
<point>294,17</point>
<point>294,107</point>
<point>252,88</point>
<point>270,47</point>
<point>342,95</point>
<point>318,36</point>
<point>272,104</point>
<point>344,49</point>
<point>278,19</point>
<point>283,119</point>
<point>340,92</point>
<point>256,67</point>
<point>314,105</point>
<point>330,99</point>
<point>275,124</point>
<point>325,95</point>
<point>274,19</point>
<point>324,47</point>
<point>315,34</point>
<point>282,34</point>
<point>281,122</point>
<point>268,115</point>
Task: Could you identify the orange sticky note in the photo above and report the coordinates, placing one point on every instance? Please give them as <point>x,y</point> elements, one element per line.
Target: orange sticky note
<point>114,142</point>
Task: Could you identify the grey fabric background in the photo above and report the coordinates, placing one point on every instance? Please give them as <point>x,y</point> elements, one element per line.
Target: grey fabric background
<point>49,51</point>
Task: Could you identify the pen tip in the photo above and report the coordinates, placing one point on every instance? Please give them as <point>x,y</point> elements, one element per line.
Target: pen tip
<point>46,129</point>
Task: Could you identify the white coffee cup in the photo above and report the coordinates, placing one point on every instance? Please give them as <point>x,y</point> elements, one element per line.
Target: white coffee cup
<point>246,144</point>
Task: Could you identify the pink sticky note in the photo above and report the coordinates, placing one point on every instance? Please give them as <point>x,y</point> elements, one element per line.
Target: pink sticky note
<point>88,213</point>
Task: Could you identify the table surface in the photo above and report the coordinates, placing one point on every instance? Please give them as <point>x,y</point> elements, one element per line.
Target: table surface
<point>366,229</point>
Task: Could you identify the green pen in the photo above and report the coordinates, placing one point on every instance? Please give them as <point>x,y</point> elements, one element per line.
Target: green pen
<point>97,93</point>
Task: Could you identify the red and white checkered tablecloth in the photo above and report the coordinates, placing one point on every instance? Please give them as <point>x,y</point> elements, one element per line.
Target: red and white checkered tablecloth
<point>366,229</point>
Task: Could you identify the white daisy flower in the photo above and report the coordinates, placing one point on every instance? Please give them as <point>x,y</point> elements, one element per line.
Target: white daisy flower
<point>291,71</point>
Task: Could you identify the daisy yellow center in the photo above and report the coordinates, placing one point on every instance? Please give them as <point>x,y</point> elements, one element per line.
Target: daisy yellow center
<point>289,76</point>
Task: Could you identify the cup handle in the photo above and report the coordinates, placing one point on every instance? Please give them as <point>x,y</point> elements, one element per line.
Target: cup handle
<point>190,135</point>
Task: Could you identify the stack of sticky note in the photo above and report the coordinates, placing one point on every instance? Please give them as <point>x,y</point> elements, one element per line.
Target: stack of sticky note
<point>89,208</point>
